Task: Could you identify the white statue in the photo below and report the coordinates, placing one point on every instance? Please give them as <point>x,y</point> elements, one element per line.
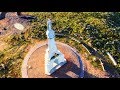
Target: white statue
<point>54,59</point>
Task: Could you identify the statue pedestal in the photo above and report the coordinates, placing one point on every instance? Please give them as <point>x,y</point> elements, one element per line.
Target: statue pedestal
<point>51,65</point>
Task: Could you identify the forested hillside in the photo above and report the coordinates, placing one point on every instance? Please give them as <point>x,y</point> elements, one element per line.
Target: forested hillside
<point>99,30</point>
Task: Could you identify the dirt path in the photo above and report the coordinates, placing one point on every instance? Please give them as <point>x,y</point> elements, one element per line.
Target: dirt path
<point>91,71</point>
<point>2,45</point>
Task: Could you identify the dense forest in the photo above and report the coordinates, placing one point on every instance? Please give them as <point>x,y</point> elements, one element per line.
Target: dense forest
<point>99,30</point>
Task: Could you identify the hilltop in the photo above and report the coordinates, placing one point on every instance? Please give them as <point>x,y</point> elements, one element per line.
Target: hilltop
<point>98,31</point>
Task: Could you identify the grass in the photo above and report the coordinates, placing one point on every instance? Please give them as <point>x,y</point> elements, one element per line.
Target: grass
<point>68,23</point>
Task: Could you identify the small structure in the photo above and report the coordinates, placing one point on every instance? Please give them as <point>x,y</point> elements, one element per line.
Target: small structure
<point>54,59</point>
<point>19,26</point>
<point>14,23</point>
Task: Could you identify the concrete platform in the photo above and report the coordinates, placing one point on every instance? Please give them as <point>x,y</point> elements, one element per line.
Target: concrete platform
<point>33,64</point>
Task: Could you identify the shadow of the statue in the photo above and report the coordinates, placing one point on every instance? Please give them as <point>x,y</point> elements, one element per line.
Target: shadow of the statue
<point>70,70</point>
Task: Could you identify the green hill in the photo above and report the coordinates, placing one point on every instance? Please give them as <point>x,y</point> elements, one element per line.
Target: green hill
<point>99,30</point>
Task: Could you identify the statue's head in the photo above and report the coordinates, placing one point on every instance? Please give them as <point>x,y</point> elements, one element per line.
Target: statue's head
<point>49,24</point>
<point>50,32</point>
